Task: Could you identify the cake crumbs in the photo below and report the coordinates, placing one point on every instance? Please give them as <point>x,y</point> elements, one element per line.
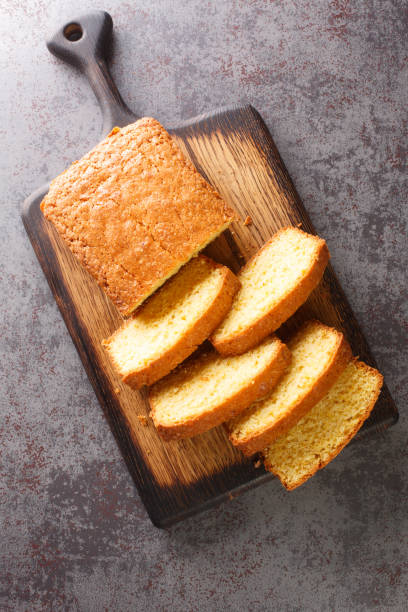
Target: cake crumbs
<point>299,225</point>
<point>143,419</point>
<point>117,390</point>
<point>257,464</point>
<point>248,220</point>
<point>115,130</point>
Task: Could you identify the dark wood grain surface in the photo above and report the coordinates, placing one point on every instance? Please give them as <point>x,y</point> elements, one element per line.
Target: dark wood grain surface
<point>233,149</point>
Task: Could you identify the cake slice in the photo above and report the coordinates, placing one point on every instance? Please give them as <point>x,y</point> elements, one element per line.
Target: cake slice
<point>210,389</point>
<point>319,355</point>
<point>170,325</point>
<point>274,284</point>
<point>326,429</point>
<point>134,210</point>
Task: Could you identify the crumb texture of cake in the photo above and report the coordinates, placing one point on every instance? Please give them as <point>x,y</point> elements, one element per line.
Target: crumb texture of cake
<point>171,324</point>
<point>324,431</point>
<point>274,284</point>
<point>203,392</point>
<point>319,355</point>
<point>134,210</point>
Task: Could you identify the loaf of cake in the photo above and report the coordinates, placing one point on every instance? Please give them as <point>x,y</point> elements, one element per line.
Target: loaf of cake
<point>134,210</point>
<point>171,324</point>
<point>206,391</point>
<point>319,355</point>
<point>274,284</point>
<point>326,429</point>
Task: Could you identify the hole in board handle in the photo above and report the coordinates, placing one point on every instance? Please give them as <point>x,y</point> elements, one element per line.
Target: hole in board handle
<point>73,32</point>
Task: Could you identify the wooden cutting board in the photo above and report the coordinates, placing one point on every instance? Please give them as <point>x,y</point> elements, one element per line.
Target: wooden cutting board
<point>234,151</point>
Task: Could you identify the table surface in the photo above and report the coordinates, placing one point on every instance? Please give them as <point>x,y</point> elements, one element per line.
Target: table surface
<point>330,79</point>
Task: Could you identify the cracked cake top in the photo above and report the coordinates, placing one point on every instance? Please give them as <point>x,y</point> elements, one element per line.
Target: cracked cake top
<point>134,210</point>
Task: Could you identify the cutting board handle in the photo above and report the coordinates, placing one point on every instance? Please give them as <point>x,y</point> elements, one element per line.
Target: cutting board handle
<point>84,43</point>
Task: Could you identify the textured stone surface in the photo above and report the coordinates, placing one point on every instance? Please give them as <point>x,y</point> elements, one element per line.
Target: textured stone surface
<point>330,79</point>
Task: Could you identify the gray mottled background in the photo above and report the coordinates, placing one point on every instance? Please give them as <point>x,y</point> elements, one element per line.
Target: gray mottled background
<point>330,79</point>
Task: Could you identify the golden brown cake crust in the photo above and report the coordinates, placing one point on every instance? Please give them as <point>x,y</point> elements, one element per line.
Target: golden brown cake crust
<point>133,210</point>
<point>261,384</point>
<point>346,440</point>
<point>203,326</point>
<point>256,442</point>
<point>238,343</point>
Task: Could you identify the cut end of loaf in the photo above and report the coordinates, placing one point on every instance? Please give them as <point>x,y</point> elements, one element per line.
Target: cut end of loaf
<point>131,310</point>
<point>275,283</point>
<point>327,428</point>
<point>319,354</point>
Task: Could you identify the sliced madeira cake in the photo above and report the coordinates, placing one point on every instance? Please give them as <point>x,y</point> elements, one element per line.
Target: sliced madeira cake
<point>326,429</point>
<point>210,389</point>
<point>319,355</point>
<point>274,284</point>
<point>134,210</point>
<point>170,325</point>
